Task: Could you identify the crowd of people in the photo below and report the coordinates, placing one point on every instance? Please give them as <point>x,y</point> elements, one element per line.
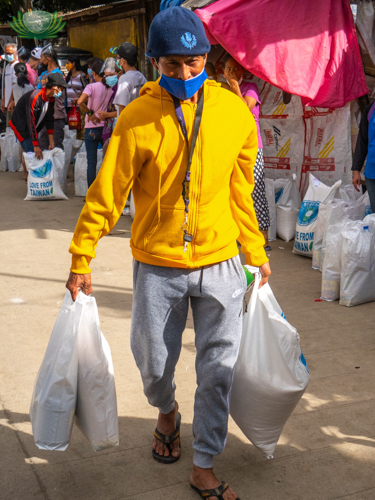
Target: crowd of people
<point>91,97</point>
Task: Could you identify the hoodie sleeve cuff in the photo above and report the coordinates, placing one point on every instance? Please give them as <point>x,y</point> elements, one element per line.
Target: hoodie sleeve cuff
<point>256,258</point>
<point>80,264</point>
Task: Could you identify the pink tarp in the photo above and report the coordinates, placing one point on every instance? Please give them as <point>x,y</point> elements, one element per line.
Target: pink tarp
<point>307,48</point>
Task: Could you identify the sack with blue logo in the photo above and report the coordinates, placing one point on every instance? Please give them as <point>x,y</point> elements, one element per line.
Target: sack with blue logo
<point>271,373</point>
<point>43,181</point>
<point>316,194</point>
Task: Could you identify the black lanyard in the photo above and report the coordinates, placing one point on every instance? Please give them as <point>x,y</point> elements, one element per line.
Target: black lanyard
<point>186,183</point>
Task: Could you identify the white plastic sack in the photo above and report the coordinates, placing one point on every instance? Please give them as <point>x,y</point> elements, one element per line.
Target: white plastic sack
<point>288,207</point>
<point>80,174</point>
<point>339,212</point>
<point>68,148</point>
<point>132,206</point>
<point>331,267</point>
<point>279,188</point>
<point>271,374</point>
<point>70,134</point>
<point>75,148</point>
<point>357,283</point>
<point>286,222</point>
<point>96,411</point>
<point>349,193</point>
<point>316,193</point>
<point>54,397</point>
<point>8,147</point>
<point>365,199</point>
<point>270,195</point>
<point>99,160</point>
<point>43,181</point>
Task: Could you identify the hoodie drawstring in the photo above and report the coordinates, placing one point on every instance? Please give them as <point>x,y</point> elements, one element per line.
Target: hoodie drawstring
<point>162,157</point>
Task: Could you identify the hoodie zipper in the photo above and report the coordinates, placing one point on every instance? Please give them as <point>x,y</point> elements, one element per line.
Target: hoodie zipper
<point>194,195</point>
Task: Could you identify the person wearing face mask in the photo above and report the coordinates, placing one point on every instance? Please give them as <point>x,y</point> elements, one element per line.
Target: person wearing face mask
<point>192,176</point>
<point>109,116</point>
<point>131,82</point>
<point>34,63</point>
<point>49,58</point>
<point>95,99</point>
<point>34,111</point>
<point>248,93</point>
<point>9,77</point>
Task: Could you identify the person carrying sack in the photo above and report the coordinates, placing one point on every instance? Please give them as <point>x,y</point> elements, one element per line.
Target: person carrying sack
<point>192,178</point>
<point>94,99</point>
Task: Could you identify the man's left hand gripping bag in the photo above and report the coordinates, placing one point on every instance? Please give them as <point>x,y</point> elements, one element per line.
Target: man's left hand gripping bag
<point>54,397</point>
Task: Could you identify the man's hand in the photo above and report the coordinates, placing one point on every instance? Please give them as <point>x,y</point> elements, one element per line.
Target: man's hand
<point>265,272</point>
<point>356,180</point>
<point>77,282</point>
<point>11,106</point>
<point>51,146</point>
<point>38,153</point>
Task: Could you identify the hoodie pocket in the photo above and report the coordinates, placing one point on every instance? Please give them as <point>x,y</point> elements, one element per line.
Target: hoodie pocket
<point>165,237</point>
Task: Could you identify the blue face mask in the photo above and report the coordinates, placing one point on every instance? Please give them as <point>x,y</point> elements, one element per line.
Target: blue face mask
<point>118,64</point>
<point>59,94</point>
<point>111,80</point>
<point>183,89</point>
<point>9,57</point>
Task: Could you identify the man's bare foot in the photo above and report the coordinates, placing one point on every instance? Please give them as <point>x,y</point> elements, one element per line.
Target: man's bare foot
<point>167,425</point>
<point>205,479</point>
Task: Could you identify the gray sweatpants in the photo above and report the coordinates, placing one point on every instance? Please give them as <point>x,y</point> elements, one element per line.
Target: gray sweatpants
<point>159,314</point>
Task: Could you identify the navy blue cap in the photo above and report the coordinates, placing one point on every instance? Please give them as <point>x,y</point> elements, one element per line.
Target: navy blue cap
<point>177,31</point>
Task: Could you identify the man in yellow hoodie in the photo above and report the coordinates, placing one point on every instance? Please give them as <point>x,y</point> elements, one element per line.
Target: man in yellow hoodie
<point>187,148</point>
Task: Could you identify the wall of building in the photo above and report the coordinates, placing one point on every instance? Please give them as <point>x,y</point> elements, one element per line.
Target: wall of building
<point>100,37</point>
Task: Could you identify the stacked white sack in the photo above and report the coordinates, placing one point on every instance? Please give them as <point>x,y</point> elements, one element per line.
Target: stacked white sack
<point>316,193</point>
<point>288,207</point>
<point>357,284</point>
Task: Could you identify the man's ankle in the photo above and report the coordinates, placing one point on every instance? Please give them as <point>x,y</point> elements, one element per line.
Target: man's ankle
<point>203,460</point>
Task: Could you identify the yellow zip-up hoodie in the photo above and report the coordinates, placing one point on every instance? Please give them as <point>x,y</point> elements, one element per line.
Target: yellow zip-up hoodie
<point>148,153</point>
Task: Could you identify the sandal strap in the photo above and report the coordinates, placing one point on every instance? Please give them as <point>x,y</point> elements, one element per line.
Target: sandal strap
<point>215,492</point>
<point>167,439</point>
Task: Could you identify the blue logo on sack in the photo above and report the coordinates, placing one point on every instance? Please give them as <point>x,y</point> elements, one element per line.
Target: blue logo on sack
<point>188,40</point>
<point>308,212</point>
<point>43,170</point>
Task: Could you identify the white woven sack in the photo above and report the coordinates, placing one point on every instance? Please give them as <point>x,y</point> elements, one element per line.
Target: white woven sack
<point>76,145</point>
<point>43,181</point>
<point>316,193</point>
<point>271,374</point>
<point>331,267</point>
<point>288,207</point>
<point>357,281</point>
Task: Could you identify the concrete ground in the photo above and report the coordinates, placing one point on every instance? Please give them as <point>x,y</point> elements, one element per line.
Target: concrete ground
<point>325,452</point>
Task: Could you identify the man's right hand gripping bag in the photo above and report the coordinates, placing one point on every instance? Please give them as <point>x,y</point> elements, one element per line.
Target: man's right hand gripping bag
<point>271,373</point>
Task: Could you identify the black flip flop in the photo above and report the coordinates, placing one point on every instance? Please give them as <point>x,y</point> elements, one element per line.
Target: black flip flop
<point>214,492</point>
<point>168,440</point>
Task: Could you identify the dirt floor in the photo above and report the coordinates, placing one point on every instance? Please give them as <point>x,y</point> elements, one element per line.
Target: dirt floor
<point>325,452</point>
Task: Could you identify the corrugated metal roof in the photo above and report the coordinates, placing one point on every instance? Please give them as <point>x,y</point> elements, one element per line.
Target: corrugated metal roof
<point>93,9</point>
<point>196,4</point>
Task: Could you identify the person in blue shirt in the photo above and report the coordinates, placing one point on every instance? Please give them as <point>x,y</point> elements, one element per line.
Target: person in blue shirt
<point>365,147</point>
<point>49,58</point>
